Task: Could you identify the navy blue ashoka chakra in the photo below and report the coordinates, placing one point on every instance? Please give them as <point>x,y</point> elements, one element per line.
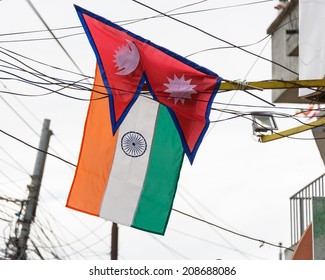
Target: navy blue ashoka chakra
<point>133,144</point>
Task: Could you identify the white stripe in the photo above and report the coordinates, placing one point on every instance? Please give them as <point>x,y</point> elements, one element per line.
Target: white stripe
<point>125,182</point>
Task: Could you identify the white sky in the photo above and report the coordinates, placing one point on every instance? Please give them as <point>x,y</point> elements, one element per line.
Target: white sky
<point>235,181</point>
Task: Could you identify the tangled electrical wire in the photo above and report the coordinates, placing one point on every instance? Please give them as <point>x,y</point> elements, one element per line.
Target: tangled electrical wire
<point>17,68</point>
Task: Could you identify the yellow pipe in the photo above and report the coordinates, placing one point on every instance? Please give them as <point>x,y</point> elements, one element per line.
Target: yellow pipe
<point>292,131</point>
<point>272,84</point>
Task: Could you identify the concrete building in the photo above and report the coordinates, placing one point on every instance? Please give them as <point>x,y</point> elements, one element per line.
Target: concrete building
<point>307,207</point>
<point>285,51</point>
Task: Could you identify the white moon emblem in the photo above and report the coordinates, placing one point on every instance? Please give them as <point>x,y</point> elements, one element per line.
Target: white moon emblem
<point>126,58</point>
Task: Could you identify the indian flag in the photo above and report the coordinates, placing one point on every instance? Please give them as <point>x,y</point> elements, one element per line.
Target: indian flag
<point>129,178</point>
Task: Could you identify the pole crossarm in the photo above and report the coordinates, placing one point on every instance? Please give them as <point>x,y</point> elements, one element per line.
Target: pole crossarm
<point>292,131</point>
<point>271,84</point>
<point>268,84</point>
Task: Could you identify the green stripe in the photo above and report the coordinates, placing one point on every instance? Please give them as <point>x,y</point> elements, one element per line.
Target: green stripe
<point>160,184</point>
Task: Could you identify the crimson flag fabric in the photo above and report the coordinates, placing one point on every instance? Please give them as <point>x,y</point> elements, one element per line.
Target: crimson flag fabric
<point>186,89</point>
<point>119,63</point>
<point>127,61</point>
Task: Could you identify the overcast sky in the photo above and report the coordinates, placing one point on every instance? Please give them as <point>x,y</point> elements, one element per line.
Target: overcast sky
<point>235,182</point>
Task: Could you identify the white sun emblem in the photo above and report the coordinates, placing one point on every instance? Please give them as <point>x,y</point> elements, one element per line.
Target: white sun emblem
<point>126,58</point>
<point>180,89</point>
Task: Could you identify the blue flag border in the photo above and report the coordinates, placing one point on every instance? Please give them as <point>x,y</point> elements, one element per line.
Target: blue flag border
<point>117,123</point>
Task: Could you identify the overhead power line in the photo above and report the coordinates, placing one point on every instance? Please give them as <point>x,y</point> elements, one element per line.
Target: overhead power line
<point>160,15</point>
<point>78,85</point>
<point>215,37</point>
<point>38,31</point>
<point>35,148</point>
<point>233,247</point>
<point>246,45</point>
<point>81,85</point>
<point>211,242</point>
<point>231,231</point>
<point>42,63</point>
<point>51,32</point>
<point>127,21</point>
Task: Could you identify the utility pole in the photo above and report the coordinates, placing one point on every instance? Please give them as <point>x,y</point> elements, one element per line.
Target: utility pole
<point>34,190</point>
<point>114,242</point>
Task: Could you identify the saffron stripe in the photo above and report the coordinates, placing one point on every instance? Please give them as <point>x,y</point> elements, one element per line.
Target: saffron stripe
<point>96,155</point>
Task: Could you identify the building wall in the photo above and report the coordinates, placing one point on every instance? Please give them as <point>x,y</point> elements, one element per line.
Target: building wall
<point>285,51</point>
<point>319,228</point>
